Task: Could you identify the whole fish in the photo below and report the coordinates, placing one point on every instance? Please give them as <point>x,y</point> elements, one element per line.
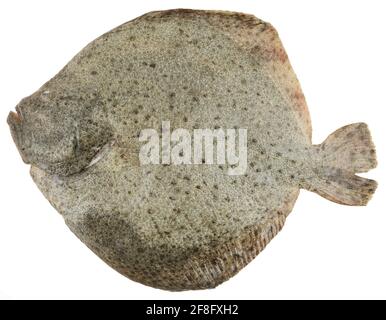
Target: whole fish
<point>185,218</point>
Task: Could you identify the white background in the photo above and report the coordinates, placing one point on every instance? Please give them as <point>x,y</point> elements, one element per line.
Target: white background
<point>337,49</point>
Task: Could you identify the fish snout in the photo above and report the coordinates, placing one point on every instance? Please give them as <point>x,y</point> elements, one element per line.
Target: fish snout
<point>15,122</point>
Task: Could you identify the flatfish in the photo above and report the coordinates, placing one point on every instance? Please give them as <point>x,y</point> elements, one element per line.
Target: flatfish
<point>175,146</point>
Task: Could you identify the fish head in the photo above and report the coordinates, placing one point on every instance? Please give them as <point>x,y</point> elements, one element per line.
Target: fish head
<point>55,135</point>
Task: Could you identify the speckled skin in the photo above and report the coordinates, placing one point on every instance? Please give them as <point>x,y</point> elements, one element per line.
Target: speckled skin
<point>190,226</point>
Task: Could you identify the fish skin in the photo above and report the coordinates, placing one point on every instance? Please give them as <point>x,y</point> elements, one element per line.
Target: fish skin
<point>182,227</point>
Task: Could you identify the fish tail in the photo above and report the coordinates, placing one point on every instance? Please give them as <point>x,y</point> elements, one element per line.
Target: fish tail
<point>345,152</point>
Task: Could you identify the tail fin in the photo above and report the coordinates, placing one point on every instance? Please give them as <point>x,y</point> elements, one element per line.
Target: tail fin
<point>347,151</point>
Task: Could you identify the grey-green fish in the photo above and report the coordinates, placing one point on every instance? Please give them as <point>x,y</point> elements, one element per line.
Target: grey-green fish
<point>185,219</point>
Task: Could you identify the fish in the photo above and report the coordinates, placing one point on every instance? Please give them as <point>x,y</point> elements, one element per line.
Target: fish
<point>176,221</point>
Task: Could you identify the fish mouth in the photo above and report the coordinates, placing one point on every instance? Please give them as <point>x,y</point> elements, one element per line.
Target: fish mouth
<point>15,118</point>
<point>14,121</point>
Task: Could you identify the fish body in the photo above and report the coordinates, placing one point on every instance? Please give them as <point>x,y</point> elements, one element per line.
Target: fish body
<point>186,226</point>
